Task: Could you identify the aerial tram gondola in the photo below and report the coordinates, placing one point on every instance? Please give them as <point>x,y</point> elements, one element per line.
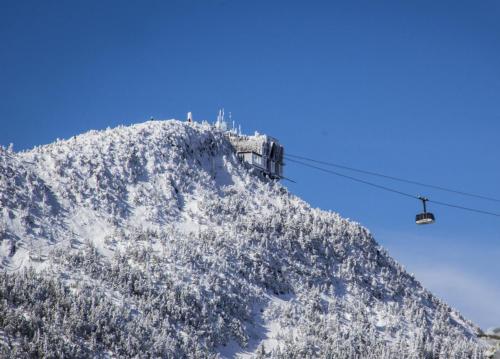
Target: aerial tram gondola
<point>424,217</point>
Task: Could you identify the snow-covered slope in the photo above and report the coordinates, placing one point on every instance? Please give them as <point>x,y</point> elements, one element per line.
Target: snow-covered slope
<point>154,241</point>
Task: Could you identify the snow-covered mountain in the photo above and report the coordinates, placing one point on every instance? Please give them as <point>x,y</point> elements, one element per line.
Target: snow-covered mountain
<point>154,240</point>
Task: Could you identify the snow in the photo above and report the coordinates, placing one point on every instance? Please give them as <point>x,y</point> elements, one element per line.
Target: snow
<point>161,222</point>
<point>263,331</point>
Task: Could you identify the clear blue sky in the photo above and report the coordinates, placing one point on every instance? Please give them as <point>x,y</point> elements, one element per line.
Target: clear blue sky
<point>407,88</point>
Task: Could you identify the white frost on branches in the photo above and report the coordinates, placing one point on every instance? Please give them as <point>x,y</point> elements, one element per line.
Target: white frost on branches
<point>155,240</point>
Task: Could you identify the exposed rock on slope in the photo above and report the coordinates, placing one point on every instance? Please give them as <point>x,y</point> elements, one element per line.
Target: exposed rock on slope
<point>154,240</point>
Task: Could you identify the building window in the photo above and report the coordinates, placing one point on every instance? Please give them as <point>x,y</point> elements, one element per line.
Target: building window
<point>256,160</point>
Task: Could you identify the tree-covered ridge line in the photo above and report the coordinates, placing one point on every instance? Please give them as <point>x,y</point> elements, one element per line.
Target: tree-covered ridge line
<point>155,241</point>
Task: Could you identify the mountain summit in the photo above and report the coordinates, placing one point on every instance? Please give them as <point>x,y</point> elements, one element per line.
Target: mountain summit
<point>156,240</point>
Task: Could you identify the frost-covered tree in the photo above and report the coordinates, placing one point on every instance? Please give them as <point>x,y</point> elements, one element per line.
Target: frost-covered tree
<point>155,241</point>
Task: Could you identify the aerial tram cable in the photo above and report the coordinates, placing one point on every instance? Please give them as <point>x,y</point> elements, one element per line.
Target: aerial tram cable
<point>331,164</point>
<point>480,211</point>
<point>427,216</point>
<point>355,179</point>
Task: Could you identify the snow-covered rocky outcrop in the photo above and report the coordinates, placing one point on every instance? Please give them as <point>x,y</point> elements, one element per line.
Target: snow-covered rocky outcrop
<point>154,240</point>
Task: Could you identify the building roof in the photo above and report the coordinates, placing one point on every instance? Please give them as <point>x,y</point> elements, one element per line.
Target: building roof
<point>248,143</point>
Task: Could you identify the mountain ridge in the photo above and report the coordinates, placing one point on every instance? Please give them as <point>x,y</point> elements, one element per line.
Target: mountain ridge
<point>164,209</point>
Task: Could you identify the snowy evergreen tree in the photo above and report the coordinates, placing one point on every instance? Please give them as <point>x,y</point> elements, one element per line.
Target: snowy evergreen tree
<point>127,243</point>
